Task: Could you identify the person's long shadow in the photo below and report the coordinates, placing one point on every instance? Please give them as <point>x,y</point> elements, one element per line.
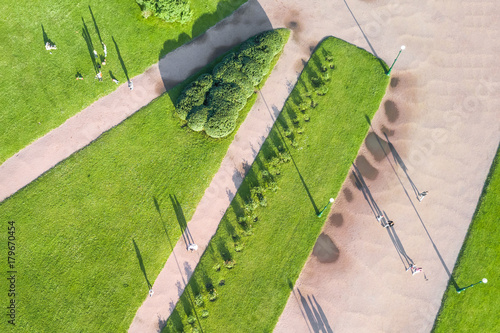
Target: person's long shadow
<point>384,67</point>
<point>121,59</point>
<point>46,39</point>
<point>452,280</point>
<point>186,296</point>
<point>181,219</point>
<point>402,164</point>
<point>405,259</point>
<point>141,263</point>
<point>315,315</point>
<point>90,45</point>
<point>95,25</point>
<point>361,185</point>
<point>283,141</point>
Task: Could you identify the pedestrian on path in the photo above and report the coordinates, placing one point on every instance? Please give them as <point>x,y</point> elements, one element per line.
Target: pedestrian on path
<point>130,85</point>
<point>414,269</point>
<point>389,224</point>
<point>421,196</point>
<point>151,292</point>
<point>193,247</point>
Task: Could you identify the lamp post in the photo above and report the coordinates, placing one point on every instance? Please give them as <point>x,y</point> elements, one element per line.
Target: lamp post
<point>484,280</point>
<point>390,69</point>
<point>329,202</point>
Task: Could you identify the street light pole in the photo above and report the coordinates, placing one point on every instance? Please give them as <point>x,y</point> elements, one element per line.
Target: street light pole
<point>390,69</point>
<point>329,202</point>
<point>484,280</point>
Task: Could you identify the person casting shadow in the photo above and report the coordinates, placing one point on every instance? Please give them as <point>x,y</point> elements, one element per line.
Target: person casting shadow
<point>121,59</point>
<point>181,219</point>
<point>141,263</point>
<point>46,39</point>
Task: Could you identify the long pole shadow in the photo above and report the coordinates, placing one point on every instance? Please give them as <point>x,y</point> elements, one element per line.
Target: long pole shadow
<point>90,46</point>
<point>316,210</point>
<point>415,209</point>
<point>315,315</point>
<point>181,219</point>
<point>121,59</point>
<point>141,263</point>
<point>366,38</point>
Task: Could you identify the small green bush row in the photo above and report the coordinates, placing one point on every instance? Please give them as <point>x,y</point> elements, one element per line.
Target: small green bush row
<point>212,102</point>
<point>167,10</point>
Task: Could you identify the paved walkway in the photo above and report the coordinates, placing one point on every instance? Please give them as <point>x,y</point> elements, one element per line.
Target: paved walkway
<point>440,118</point>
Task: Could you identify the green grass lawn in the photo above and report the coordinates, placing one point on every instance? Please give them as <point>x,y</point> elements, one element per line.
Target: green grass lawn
<point>476,309</point>
<point>39,90</point>
<point>92,231</point>
<point>271,226</point>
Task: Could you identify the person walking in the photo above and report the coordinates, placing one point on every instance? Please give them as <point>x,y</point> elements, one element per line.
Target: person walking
<point>116,81</point>
<point>193,247</point>
<point>95,54</point>
<point>130,85</point>
<point>105,50</point>
<point>151,292</point>
<point>99,76</point>
<point>422,195</point>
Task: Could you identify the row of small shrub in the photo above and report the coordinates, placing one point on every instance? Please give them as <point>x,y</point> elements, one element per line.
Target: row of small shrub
<point>212,102</point>
<point>167,10</point>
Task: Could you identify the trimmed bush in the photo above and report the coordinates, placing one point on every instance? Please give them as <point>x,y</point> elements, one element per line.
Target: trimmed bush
<point>167,10</point>
<point>218,98</point>
<point>197,118</point>
<point>193,95</point>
